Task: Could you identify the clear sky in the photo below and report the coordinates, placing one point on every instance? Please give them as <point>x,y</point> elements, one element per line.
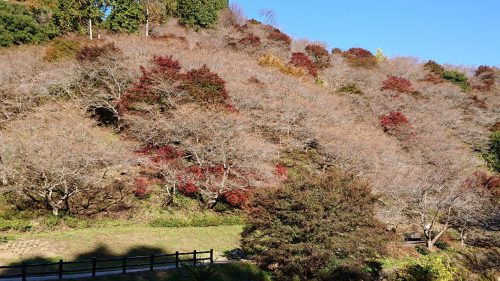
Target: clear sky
<point>449,31</point>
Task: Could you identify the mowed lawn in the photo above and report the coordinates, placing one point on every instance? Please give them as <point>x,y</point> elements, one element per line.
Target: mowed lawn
<point>73,244</point>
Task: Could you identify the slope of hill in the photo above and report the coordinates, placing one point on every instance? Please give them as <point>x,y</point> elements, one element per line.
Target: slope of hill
<point>115,124</point>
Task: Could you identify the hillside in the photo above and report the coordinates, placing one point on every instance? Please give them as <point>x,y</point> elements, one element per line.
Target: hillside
<point>118,127</point>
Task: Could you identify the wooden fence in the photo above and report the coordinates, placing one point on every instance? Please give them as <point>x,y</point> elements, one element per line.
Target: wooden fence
<point>110,265</point>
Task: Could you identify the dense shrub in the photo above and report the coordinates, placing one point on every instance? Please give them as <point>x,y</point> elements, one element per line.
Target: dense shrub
<point>306,228</point>
<point>486,77</point>
<point>142,185</point>
<point>458,78</point>
<point>15,225</point>
<point>302,60</point>
<point>394,120</point>
<point>359,57</point>
<point>280,37</point>
<point>398,84</point>
<point>270,60</point>
<point>236,198</point>
<point>200,13</point>
<point>162,154</point>
<point>125,16</point>
<point>350,89</point>
<point>92,53</point>
<point>336,51</point>
<point>19,26</point>
<point>320,56</point>
<point>492,156</point>
<point>427,268</point>
<point>251,40</point>
<point>433,78</point>
<point>254,22</point>
<point>437,71</point>
<point>434,67</point>
<point>442,245</point>
<point>61,48</point>
<point>205,86</point>
<point>188,189</point>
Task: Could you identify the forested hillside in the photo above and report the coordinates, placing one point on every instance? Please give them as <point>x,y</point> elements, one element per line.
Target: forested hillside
<point>191,108</point>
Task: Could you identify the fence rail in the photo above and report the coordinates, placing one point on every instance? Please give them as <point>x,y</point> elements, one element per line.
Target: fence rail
<point>95,265</point>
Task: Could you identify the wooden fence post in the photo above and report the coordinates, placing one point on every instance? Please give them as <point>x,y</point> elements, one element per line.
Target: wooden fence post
<point>177,259</point>
<point>124,265</point>
<point>94,266</point>
<point>152,262</point>
<point>211,255</point>
<point>23,276</point>
<point>60,269</point>
<point>194,258</point>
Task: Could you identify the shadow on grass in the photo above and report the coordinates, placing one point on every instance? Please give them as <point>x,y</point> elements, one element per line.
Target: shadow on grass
<point>106,260</point>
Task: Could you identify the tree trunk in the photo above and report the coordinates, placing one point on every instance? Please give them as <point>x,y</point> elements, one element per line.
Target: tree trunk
<point>55,211</point>
<point>463,235</point>
<point>90,29</point>
<point>429,243</point>
<point>147,18</point>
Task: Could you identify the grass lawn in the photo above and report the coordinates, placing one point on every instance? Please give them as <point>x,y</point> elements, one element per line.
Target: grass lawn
<point>73,244</point>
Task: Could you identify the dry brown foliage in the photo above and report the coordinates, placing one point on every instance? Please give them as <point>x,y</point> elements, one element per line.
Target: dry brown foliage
<point>282,113</point>
<point>59,160</point>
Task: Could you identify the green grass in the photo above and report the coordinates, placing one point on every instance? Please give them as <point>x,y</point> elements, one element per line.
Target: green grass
<point>225,272</point>
<point>73,244</point>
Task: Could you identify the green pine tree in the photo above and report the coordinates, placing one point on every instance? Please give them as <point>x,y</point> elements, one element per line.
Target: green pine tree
<point>126,16</point>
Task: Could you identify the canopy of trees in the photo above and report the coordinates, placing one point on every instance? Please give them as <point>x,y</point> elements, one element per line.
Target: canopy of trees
<point>315,228</point>
<point>34,23</point>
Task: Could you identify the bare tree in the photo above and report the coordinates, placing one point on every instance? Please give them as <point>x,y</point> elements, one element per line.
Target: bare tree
<point>53,155</point>
<point>268,16</point>
<point>103,82</point>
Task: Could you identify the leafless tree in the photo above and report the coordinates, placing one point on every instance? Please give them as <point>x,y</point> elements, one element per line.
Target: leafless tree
<point>53,155</point>
<point>102,83</point>
<point>268,16</point>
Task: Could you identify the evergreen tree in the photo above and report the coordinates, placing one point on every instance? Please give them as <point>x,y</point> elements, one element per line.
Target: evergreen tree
<point>200,13</point>
<point>79,15</point>
<point>315,229</point>
<point>126,16</point>
<point>18,25</point>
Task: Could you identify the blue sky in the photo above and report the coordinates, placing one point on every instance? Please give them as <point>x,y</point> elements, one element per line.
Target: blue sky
<point>461,32</point>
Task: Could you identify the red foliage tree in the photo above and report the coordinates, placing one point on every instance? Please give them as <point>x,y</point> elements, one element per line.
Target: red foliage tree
<point>237,198</point>
<point>302,60</point>
<point>141,190</point>
<point>163,68</point>
<point>398,84</point>
<point>188,189</point>
<point>278,36</point>
<point>281,170</point>
<point>202,85</point>
<point>394,120</point>
<point>205,86</point>
<point>320,55</point>
<point>250,40</point>
<point>359,57</point>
